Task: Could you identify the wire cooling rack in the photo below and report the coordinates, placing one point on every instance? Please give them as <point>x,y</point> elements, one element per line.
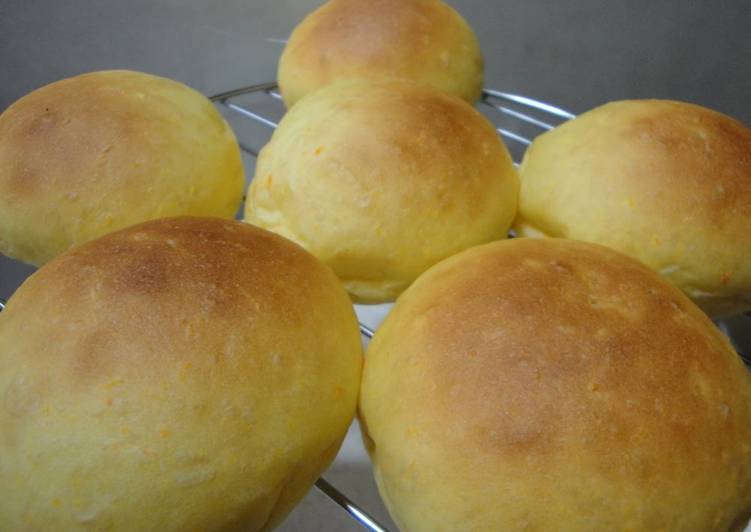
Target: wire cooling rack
<point>255,112</point>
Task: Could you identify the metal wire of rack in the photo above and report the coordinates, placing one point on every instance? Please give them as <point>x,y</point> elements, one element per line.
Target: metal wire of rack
<point>518,120</point>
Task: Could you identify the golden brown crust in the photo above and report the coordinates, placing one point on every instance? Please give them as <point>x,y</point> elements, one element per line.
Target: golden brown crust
<point>423,40</point>
<point>381,180</point>
<point>551,384</point>
<point>183,374</point>
<point>666,182</point>
<point>94,153</point>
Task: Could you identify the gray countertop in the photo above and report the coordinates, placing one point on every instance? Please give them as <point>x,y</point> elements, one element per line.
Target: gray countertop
<point>575,54</point>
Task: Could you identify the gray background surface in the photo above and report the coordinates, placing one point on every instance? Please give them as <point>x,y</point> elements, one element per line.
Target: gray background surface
<point>576,54</point>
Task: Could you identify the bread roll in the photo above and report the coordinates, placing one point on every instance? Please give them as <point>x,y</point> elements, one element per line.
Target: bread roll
<point>555,385</point>
<point>381,180</point>
<point>422,40</point>
<point>98,152</point>
<point>182,374</point>
<point>668,183</point>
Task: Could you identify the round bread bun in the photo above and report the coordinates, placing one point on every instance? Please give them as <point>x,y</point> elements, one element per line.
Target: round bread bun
<point>555,385</point>
<point>382,180</point>
<point>422,40</point>
<point>182,374</point>
<point>98,152</point>
<point>668,183</point>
